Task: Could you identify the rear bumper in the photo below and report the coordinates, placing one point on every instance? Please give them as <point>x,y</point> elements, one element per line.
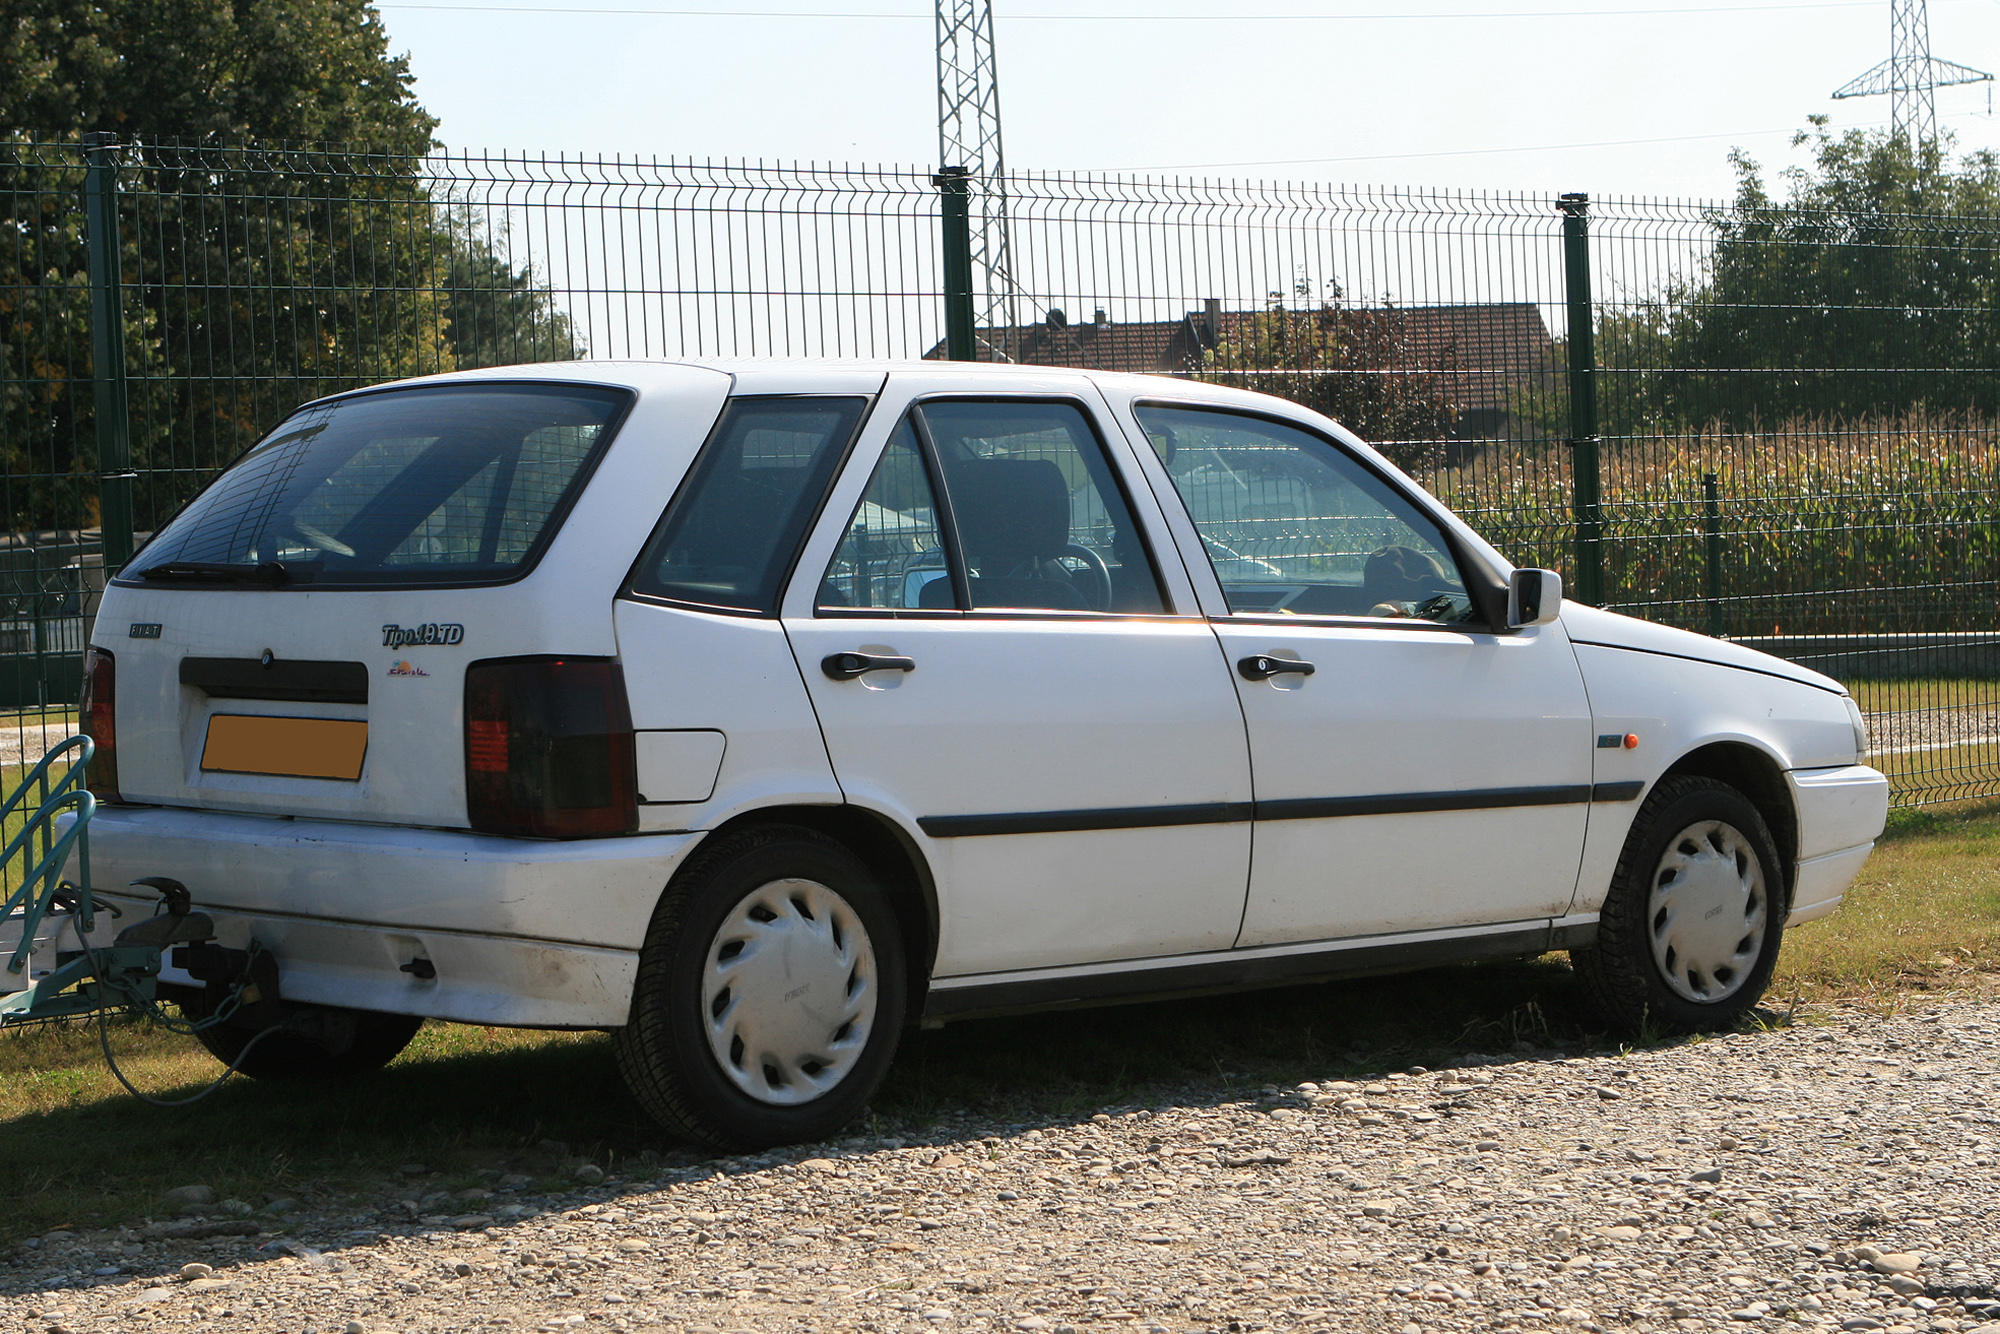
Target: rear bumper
<point>519,932</point>
<point>1841,812</point>
<point>476,979</point>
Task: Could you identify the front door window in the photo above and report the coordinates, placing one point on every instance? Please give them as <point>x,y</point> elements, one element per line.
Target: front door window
<point>1294,525</point>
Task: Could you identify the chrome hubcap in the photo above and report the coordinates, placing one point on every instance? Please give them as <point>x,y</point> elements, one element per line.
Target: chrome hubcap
<point>789,994</point>
<point>1708,911</point>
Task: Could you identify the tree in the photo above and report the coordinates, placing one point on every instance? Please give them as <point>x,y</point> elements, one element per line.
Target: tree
<point>257,273</point>
<point>1869,289</point>
<point>1357,366</point>
<point>496,314</point>
<point>207,71</point>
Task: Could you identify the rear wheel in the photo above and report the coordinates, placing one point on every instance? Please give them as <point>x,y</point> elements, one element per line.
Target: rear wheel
<point>324,1042</point>
<point>770,994</point>
<point>1689,933</point>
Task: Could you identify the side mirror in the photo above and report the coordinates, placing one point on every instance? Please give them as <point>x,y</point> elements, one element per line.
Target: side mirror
<point>1534,597</point>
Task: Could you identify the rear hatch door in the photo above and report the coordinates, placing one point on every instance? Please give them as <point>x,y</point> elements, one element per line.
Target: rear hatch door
<point>295,642</point>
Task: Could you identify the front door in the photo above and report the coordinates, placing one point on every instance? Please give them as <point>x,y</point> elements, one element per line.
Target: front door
<point>1415,768</point>
<point>999,662</point>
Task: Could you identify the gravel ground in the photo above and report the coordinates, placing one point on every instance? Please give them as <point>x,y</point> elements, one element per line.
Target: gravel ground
<point>1835,1174</point>
<point>1912,730</point>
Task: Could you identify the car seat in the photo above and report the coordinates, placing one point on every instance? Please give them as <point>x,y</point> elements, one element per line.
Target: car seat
<point>1013,523</point>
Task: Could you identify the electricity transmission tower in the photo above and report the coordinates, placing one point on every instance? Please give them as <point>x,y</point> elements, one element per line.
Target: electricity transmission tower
<point>969,137</point>
<point>1910,74</point>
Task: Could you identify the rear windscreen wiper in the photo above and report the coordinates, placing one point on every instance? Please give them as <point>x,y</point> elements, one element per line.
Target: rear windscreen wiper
<point>271,574</point>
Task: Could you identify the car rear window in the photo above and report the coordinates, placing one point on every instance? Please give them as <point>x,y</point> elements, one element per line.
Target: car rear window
<point>734,529</point>
<point>445,484</point>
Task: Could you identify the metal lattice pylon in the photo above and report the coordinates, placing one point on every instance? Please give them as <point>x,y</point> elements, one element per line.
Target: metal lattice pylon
<point>1910,74</point>
<point>969,136</point>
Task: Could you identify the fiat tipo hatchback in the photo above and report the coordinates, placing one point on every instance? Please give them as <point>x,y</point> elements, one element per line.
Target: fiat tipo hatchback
<point>753,711</point>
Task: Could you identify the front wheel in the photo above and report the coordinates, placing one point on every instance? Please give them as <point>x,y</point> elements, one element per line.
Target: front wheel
<point>1689,933</point>
<point>770,994</point>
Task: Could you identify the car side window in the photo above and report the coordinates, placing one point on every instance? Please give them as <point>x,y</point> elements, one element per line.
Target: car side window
<point>1041,521</point>
<point>892,552</point>
<point>735,527</point>
<point>1033,519</point>
<point>1295,525</point>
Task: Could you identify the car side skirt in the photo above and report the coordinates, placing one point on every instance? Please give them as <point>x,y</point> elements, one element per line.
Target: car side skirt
<point>1243,970</point>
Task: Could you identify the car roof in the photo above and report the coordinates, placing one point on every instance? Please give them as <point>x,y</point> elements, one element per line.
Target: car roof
<point>842,375</point>
<point>779,375</point>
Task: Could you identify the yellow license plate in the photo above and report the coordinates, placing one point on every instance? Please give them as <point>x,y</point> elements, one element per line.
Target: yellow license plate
<point>286,747</point>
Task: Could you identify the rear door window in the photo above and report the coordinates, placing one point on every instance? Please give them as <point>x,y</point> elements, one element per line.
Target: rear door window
<point>447,484</point>
<point>1033,518</point>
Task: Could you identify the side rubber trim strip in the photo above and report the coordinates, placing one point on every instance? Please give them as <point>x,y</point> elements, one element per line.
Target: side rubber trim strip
<point>1064,822</point>
<point>1404,803</point>
<point>1305,808</point>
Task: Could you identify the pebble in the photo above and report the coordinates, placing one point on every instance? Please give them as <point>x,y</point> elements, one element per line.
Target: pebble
<point>1499,1193</point>
<point>183,1197</point>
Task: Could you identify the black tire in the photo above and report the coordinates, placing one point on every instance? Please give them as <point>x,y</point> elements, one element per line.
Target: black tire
<point>1623,972</point>
<point>324,1042</point>
<point>665,1050</point>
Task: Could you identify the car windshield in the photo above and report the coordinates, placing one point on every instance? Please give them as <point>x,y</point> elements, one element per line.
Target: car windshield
<point>445,484</point>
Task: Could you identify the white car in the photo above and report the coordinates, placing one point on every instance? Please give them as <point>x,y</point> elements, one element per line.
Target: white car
<point>753,710</point>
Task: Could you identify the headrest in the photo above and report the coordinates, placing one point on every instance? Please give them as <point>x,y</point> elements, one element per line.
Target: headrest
<point>1009,511</point>
<point>1402,574</point>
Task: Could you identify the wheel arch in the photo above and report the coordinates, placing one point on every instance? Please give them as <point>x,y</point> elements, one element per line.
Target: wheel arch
<point>1761,779</point>
<point>891,853</point>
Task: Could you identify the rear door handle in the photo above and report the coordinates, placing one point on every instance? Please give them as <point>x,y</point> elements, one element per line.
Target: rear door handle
<point>1262,667</point>
<point>849,665</point>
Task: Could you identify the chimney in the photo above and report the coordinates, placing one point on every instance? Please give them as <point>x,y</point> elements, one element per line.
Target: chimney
<point>1100,318</point>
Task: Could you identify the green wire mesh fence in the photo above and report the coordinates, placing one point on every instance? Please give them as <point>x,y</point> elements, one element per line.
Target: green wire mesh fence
<point>1768,423</point>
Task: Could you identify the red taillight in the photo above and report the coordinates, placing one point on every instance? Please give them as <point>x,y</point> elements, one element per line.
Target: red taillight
<point>97,711</point>
<point>548,748</point>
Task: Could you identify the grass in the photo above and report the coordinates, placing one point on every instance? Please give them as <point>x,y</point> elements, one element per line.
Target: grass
<point>75,1150</point>
<point>1918,694</point>
<point>1923,915</point>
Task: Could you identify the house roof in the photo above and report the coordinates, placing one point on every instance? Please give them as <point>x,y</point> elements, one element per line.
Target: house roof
<point>1483,350</point>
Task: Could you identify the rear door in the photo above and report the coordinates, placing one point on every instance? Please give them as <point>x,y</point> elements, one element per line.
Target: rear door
<point>1001,663</point>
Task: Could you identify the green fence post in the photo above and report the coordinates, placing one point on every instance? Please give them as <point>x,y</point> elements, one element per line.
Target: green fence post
<point>1583,437</point>
<point>1711,529</point>
<point>107,349</point>
<point>955,197</point>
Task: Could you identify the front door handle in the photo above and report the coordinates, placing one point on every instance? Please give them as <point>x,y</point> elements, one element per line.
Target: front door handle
<point>1262,667</point>
<point>849,665</point>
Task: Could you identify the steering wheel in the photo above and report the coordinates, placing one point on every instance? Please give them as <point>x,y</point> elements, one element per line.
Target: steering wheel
<point>324,541</point>
<point>1098,596</point>
<point>1441,607</point>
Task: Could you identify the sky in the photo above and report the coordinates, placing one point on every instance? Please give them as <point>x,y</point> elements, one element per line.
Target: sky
<point>1636,98</point>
